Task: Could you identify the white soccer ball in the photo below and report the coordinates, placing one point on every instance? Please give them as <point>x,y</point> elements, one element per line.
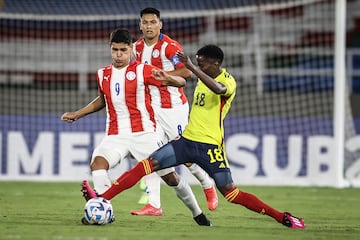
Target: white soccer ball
<point>98,211</point>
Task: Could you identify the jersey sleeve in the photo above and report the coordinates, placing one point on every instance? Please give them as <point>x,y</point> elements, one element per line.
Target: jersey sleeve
<point>172,48</point>
<point>229,82</point>
<point>148,78</point>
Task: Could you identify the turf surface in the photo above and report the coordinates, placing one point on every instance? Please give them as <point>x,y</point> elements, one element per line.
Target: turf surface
<point>52,211</point>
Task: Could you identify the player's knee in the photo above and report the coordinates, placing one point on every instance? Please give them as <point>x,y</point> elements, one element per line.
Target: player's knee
<point>99,163</point>
<point>171,179</point>
<point>155,164</point>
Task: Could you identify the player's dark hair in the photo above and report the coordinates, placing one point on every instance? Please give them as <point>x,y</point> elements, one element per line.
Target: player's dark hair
<point>211,51</point>
<point>121,35</point>
<point>150,10</point>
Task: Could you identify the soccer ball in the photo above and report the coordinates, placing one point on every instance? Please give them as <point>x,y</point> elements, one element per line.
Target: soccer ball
<point>98,211</point>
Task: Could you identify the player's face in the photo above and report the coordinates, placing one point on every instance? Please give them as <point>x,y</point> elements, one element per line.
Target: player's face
<point>208,66</point>
<point>150,26</point>
<point>120,53</point>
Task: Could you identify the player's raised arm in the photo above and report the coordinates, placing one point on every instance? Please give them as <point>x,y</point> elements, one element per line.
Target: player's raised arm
<point>206,63</point>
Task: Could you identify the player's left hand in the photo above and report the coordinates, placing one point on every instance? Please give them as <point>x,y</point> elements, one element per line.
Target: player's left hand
<point>160,75</point>
<point>184,59</point>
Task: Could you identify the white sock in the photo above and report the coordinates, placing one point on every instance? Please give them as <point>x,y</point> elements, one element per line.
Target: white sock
<point>201,175</point>
<point>101,180</point>
<point>152,182</point>
<point>184,192</point>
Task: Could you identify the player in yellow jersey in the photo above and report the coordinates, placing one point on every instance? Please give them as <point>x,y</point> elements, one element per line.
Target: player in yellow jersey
<point>202,141</point>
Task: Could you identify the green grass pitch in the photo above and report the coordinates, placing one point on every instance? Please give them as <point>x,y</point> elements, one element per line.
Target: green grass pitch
<point>52,211</point>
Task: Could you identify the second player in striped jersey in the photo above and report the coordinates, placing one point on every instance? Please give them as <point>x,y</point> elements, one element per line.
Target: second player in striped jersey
<point>170,103</point>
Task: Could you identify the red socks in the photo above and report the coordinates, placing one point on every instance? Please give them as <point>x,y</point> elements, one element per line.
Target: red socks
<point>253,203</point>
<point>129,179</point>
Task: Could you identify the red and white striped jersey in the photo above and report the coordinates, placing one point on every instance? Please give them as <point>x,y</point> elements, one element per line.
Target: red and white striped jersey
<point>162,55</point>
<point>128,102</point>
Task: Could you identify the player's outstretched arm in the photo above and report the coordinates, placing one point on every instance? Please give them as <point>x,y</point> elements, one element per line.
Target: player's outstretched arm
<point>183,72</point>
<point>167,79</point>
<point>95,105</point>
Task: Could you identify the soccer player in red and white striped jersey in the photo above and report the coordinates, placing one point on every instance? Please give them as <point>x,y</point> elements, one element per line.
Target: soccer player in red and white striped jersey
<point>170,103</point>
<point>203,139</point>
<point>130,125</point>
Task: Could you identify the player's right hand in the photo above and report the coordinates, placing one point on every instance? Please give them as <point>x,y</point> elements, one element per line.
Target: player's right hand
<point>69,117</point>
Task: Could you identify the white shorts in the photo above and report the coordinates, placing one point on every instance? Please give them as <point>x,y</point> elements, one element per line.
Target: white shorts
<point>114,148</point>
<point>172,120</point>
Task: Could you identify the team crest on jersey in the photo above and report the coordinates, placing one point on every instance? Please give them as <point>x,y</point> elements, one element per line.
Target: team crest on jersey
<point>130,75</point>
<point>156,53</point>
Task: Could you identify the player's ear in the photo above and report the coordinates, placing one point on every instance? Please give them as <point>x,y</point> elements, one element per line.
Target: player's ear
<point>161,25</point>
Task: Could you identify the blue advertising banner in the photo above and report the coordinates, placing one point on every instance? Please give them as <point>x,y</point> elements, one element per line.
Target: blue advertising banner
<point>261,150</point>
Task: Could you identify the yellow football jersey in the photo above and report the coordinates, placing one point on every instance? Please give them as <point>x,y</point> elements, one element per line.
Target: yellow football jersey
<point>208,111</point>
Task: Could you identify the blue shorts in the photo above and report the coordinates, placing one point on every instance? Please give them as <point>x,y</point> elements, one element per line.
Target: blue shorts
<point>209,157</point>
